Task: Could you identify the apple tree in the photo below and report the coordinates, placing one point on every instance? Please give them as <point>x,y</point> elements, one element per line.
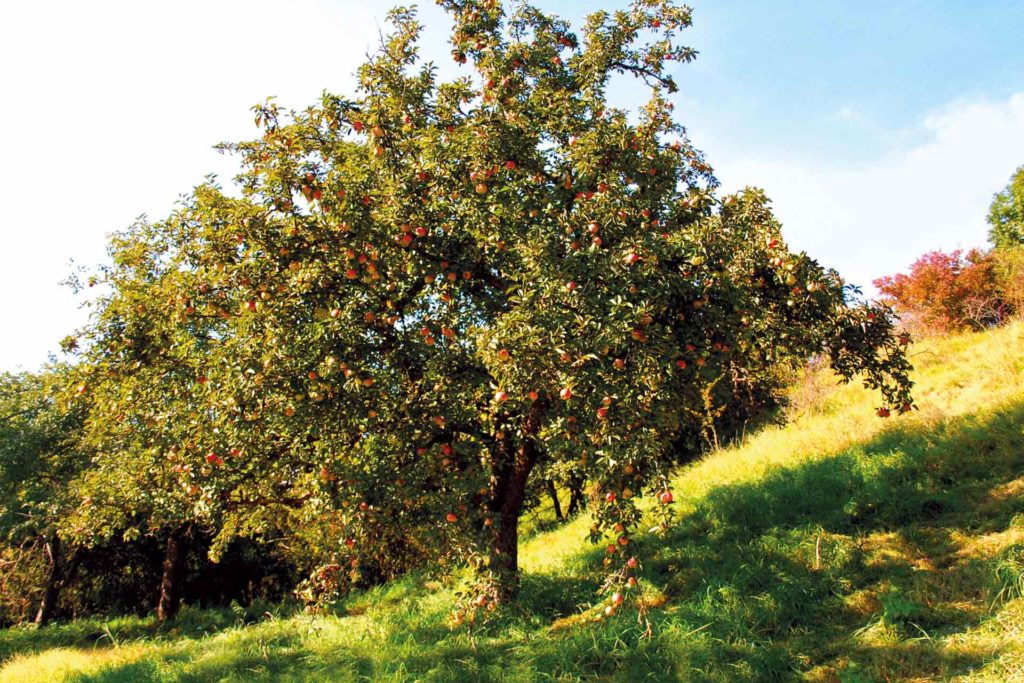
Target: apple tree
<point>422,293</point>
<point>41,450</point>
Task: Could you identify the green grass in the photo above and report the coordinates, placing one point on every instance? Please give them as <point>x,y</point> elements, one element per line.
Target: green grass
<point>841,547</point>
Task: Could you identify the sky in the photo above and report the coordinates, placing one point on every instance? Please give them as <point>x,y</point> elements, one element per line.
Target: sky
<point>880,130</point>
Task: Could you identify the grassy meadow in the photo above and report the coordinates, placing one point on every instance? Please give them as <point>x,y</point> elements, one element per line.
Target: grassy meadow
<point>841,547</point>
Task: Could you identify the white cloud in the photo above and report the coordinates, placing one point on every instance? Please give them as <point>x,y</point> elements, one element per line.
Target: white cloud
<point>110,111</point>
<point>111,108</point>
<point>876,218</point>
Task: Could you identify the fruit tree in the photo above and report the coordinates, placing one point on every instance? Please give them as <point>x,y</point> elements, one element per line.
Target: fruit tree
<point>427,290</point>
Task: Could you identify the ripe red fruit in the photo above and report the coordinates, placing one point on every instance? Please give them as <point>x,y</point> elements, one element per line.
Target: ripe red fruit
<point>357,126</point>
<point>602,413</point>
<point>570,285</point>
<point>533,395</point>
<point>565,394</point>
<point>665,497</point>
<point>510,165</point>
<point>617,599</point>
<point>631,563</point>
<point>351,274</point>
<point>503,354</point>
<point>631,258</point>
<point>500,396</point>
<point>350,542</point>
<point>421,231</point>
<point>610,496</point>
<point>452,517</point>
<point>681,364</point>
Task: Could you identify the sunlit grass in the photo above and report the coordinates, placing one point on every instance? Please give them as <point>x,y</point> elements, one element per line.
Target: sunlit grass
<point>839,547</point>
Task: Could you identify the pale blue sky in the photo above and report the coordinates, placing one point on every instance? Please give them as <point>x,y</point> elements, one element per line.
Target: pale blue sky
<point>880,129</point>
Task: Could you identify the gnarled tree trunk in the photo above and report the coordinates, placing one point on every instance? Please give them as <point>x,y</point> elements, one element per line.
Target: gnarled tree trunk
<point>54,581</point>
<point>575,495</point>
<point>175,556</point>
<point>510,469</point>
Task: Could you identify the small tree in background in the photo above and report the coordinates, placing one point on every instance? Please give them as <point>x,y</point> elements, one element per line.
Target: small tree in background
<point>41,450</point>
<point>1006,214</point>
<point>947,292</point>
<point>428,292</point>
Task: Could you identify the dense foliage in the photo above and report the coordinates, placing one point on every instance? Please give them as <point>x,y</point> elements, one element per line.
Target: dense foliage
<point>948,292</point>
<point>1006,214</point>
<point>430,297</point>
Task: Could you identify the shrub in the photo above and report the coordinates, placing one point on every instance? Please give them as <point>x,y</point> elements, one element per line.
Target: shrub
<point>948,291</point>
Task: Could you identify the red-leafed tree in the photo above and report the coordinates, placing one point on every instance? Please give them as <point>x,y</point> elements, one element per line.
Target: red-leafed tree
<point>947,292</point>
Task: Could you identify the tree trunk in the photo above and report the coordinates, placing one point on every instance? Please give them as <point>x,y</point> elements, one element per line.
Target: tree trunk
<point>553,492</point>
<point>175,556</point>
<point>575,495</point>
<point>511,467</point>
<point>54,580</point>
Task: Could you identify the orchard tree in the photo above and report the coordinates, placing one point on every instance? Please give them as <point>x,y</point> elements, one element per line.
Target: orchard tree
<point>426,293</point>
<point>40,452</point>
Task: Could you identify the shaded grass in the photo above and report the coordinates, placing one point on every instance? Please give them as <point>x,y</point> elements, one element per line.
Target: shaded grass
<point>840,547</point>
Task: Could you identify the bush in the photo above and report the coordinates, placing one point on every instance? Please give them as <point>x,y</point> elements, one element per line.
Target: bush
<point>948,292</point>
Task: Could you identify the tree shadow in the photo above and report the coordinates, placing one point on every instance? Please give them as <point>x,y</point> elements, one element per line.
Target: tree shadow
<point>796,559</point>
<point>765,580</point>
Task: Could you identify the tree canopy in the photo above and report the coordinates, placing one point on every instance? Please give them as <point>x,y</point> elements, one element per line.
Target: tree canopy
<point>425,291</point>
<point>1006,214</point>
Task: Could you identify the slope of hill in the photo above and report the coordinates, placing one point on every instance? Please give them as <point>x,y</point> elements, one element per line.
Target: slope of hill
<point>840,547</point>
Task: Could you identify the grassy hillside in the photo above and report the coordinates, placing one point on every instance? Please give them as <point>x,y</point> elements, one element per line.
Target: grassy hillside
<point>841,547</point>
